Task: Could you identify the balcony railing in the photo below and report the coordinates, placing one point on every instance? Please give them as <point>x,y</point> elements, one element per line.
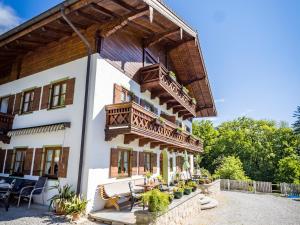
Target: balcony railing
<point>135,122</point>
<point>156,79</point>
<point>6,122</point>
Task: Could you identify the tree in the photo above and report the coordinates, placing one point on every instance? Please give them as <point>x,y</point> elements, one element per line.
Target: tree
<point>296,125</point>
<point>231,168</point>
<point>289,170</point>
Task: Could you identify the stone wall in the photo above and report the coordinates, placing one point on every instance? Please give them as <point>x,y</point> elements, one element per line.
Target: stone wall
<point>179,213</point>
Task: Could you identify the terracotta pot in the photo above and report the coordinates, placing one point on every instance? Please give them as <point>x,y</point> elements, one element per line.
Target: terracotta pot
<point>59,209</point>
<point>75,216</point>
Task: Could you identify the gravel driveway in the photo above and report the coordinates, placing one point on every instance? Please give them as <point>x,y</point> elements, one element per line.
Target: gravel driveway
<point>248,209</point>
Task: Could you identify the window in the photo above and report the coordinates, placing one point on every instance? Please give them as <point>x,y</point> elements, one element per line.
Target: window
<point>58,95</point>
<point>28,97</point>
<point>147,162</point>
<point>171,164</point>
<point>123,163</point>
<point>18,168</point>
<point>4,104</point>
<point>148,106</point>
<point>188,129</point>
<point>52,156</point>
<point>148,59</point>
<point>126,96</point>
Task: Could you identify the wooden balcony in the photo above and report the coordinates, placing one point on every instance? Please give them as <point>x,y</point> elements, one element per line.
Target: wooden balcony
<point>156,79</point>
<point>6,122</point>
<point>135,122</point>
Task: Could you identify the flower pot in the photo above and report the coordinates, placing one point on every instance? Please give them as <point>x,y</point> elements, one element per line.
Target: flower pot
<point>59,209</point>
<point>187,191</point>
<point>75,216</point>
<point>178,194</point>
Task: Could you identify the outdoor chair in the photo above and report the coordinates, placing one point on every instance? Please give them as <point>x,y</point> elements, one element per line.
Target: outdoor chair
<point>135,198</point>
<point>6,196</point>
<point>29,191</point>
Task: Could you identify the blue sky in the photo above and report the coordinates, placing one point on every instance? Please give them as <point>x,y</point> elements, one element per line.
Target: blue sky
<point>251,50</point>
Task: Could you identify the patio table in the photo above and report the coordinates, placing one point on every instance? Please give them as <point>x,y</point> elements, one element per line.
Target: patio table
<point>148,187</point>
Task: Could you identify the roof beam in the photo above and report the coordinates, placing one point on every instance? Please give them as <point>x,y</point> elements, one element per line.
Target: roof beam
<point>144,141</point>
<point>125,5</point>
<point>57,31</point>
<point>119,23</point>
<point>89,17</point>
<point>193,80</point>
<point>103,10</point>
<point>159,37</point>
<point>78,25</point>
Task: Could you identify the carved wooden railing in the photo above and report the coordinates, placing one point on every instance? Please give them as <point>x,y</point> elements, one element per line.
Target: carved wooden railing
<point>6,122</point>
<point>131,118</point>
<point>157,75</point>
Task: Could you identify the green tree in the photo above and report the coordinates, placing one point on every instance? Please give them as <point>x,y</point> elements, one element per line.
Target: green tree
<point>289,170</point>
<point>296,125</point>
<point>231,168</point>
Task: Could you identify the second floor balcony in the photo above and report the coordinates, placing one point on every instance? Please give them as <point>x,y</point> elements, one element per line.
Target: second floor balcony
<point>156,79</point>
<point>6,122</point>
<point>135,122</point>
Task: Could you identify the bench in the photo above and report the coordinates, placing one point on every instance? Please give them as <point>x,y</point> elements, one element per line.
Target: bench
<point>112,193</point>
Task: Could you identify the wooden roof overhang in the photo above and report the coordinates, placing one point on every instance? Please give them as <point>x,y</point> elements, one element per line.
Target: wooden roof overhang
<point>153,21</point>
<point>136,123</point>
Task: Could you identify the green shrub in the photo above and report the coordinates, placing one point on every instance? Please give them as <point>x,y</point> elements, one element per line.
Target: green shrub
<point>64,194</point>
<point>76,205</point>
<point>156,200</point>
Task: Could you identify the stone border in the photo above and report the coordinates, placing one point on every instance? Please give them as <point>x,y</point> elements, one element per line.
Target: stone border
<point>179,212</point>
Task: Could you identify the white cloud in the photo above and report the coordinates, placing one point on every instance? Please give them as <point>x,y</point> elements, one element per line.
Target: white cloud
<point>8,18</point>
<point>220,100</point>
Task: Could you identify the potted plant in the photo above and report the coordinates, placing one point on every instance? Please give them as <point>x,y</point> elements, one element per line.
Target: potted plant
<point>159,121</point>
<point>76,207</point>
<point>193,185</point>
<point>65,193</point>
<point>171,198</point>
<point>178,192</point>
<point>194,101</point>
<point>179,130</point>
<point>187,190</point>
<point>172,75</point>
<point>156,200</point>
<point>148,175</point>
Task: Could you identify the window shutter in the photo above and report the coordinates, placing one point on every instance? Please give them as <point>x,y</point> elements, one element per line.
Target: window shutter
<point>70,91</point>
<point>46,96</point>
<point>2,157</point>
<point>28,161</point>
<point>134,165</point>
<point>178,163</point>
<point>37,164</point>
<point>117,93</point>
<point>18,103</point>
<point>9,161</point>
<point>11,101</point>
<point>114,154</point>
<point>141,163</point>
<point>154,162</point>
<point>63,162</point>
<point>36,99</point>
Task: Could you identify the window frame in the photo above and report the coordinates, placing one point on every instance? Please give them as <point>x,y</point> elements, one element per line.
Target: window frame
<point>54,149</point>
<point>30,102</point>
<point>52,95</point>
<point>150,162</point>
<point>19,174</point>
<point>124,175</point>
<point>127,94</point>
<point>1,99</point>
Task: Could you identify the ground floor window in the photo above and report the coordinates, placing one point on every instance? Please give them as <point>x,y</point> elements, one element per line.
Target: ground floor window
<point>123,163</point>
<point>52,156</point>
<point>147,162</point>
<point>18,168</point>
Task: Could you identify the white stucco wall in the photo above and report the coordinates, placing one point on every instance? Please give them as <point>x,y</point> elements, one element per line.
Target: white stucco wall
<point>72,113</point>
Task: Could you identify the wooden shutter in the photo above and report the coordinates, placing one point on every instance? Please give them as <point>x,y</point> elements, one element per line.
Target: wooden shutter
<point>154,162</point>
<point>18,101</point>
<point>46,96</point>
<point>117,93</point>
<point>134,165</point>
<point>36,99</point>
<point>141,163</point>
<point>28,161</point>
<point>63,162</point>
<point>11,101</point>
<point>9,161</point>
<point>178,162</point>
<point>114,155</point>
<point>37,163</point>
<point>2,157</point>
<point>70,91</point>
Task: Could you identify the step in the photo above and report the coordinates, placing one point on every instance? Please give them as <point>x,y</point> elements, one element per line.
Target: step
<point>205,200</point>
<point>213,203</point>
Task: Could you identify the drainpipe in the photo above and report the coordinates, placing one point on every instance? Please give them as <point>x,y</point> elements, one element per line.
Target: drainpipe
<point>86,93</point>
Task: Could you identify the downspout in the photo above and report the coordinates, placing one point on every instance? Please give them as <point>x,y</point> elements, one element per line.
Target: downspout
<point>86,93</point>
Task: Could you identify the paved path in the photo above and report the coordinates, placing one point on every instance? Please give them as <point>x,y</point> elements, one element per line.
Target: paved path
<point>237,208</point>
<point>36,215</point>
